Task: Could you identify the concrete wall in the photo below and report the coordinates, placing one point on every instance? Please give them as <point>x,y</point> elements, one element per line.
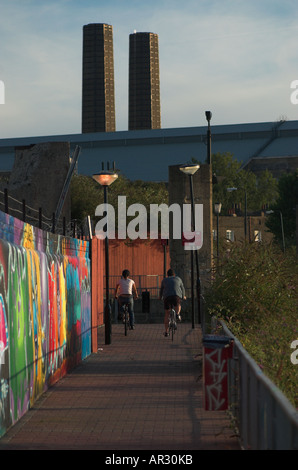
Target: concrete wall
<point>179,192</point>
<point>45,313</point>
<point>38,176</point>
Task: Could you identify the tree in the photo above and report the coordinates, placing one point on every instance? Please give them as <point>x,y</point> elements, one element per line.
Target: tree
<point>260,191</point>
<point>87,194</point>
<point>267,189</point>
<point>284,210</point>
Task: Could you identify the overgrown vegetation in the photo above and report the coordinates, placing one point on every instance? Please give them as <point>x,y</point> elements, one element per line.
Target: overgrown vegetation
<point>282,219</point>
<point>255,293</point>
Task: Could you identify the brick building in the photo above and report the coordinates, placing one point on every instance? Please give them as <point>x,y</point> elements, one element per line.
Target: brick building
<point>232,228</point>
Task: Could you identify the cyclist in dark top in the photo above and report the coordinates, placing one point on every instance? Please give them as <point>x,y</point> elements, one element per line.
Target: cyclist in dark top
<point>172,292</point>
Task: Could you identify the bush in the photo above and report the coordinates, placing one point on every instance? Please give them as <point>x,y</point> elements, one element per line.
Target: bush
<point>255,293</point>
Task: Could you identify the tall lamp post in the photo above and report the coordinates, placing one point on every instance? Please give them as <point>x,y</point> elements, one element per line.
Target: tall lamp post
<point>282,231</point>
<point>208,115</point>
<point>217,209</point>
<point>105,179</point>
<point>190,170</point>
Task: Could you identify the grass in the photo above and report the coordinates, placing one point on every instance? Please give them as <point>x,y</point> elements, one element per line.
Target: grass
<point>255,293</point>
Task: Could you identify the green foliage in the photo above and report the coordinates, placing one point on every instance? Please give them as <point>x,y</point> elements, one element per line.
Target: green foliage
<point>87,194</point>
<point>260,191</point>
<point>255,293</point>
<point>284,210</point>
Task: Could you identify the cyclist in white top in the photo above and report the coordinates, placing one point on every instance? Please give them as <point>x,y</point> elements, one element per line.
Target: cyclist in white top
<point>125,292</point>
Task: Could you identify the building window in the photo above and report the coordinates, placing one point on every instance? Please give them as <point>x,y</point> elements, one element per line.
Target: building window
<point>230,235</point>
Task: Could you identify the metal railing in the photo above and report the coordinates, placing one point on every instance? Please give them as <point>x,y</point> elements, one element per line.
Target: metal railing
<point>264,417</point>
<point>144,282</point>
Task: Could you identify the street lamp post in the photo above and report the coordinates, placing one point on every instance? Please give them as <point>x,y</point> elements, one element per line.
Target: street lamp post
<point>282,232</point>
<point>217,209</point>
<point>190,170</point>
<point>245,215</point>
<point>105,179</point>
<point>208,115</point>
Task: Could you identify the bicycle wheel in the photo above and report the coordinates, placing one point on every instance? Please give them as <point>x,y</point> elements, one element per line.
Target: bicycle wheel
<point>125,320</point>
<point>173,323</point>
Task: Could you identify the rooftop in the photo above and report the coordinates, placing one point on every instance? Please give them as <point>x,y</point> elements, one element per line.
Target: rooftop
<point>146,154</point>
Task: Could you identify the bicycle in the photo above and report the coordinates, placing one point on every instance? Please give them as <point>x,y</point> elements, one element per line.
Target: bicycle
<point>125,317</point>
<point>172,322</point>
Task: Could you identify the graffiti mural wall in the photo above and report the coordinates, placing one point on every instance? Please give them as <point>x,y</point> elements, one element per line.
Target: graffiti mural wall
<point>45,313</point>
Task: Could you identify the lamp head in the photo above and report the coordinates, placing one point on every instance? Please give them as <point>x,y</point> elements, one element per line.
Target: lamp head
<point>217,207</point>
<point>189,169</point>
<point>105,178</point>
<point>208,115</point>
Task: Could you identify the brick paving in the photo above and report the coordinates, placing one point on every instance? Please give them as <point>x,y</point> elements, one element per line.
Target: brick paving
<point>142,392</point>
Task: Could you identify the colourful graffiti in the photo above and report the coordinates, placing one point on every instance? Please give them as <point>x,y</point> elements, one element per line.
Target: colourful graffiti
<point>45,313</point>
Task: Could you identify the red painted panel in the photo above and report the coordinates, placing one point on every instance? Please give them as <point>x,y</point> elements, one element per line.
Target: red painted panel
<point>216,376</point>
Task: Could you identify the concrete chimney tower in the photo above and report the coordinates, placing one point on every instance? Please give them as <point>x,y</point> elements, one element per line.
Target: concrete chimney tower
<point>144,82</point>
<point>98,93</point>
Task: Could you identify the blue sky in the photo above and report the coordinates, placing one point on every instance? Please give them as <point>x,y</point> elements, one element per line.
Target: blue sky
<point>236,58</point>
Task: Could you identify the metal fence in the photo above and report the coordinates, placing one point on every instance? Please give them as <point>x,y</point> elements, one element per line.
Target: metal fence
<point>265,419</point>
<point>144,282</point>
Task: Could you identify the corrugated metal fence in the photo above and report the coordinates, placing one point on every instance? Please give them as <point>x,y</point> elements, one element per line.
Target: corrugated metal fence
<point>146,260</point>
<point>140,257</point>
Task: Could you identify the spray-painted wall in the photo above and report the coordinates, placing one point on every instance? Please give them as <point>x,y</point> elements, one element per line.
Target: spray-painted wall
<point>45,313</point>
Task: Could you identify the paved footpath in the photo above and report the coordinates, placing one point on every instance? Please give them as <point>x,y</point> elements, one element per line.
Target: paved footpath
<point>142,392</point>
